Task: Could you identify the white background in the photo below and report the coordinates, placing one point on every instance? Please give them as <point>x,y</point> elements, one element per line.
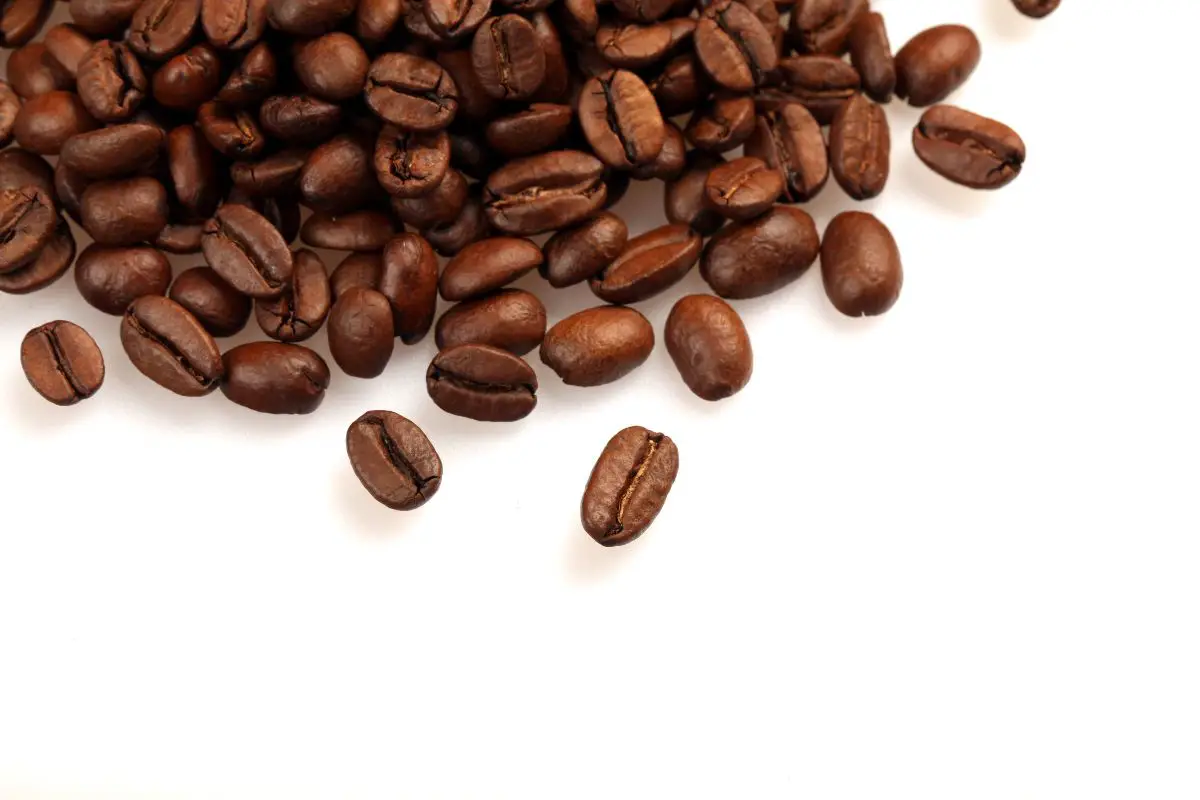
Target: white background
<point>948,553</point>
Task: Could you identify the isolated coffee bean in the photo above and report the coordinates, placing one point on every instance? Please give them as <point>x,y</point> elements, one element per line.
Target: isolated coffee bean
<point>361,338</point>
<point>110,278</point>
<point>734,46</point>
<point>531,130</point>
<point>356,270</point>
<point>124,212</point>
<point>860,265</point>
<point>301,310</point>
<point>191,162</point>
<point>394,460</point>
<point>968,149</point>
<point>361,231</point>
<point>934,63</point>
<point>62,362</point>
<point>277,174</point>
<point>437,207</point>
<point>545,192</point>
<point>102,17</point>
<point>338,177</point>
<point>709,345</point>
<point>299,119</point>
<point>1036,8</point>
<point>32,71</point>
<point>823,26</point>
<point>508,58</point>
<point>170,346</point>
<point>626,46</point>
<point>511,319</point>
<point>44,269</point>
<point>412,92</point>
<point>620,119</point>
<point>111,82</point>
<point>221,309</point>
<point>871,55</point>
<point>488,265</point>
<point>27,223</point>
<point>751,259</point>
<point>743,188</point>
<point>47,121</point>
<point>684,199</point>
<point>180,239</point>
<point>247,251</point>
<point>790,140</point>
<point>724,123</point>
<point>408,279</point>
<point>628,486</point>
<point>232,132</point>
<point>650,263</point>
<point>410,164</point>
<point>21,20</point>
<point>483,383</point>
<point>254,77</point>
<point>860,147</point>
<point>575,254</point>
<point>275,378</point>
<point>113,152</point>
<point>332,67</point>
<point>233,24</point>
<point>820,83</point>
<point>162,28</point>
<point>598,345</point>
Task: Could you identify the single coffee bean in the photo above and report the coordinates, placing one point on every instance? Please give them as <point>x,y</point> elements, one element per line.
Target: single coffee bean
<point>598,345</point>
<point>470,226</point>
<point>684,199</point>
<point>103,17</point>
<point>233,24</point>
<point>710,347</point>
<point>299,119</point>
<point>363,231</point>
<point>247,251</point>
<point>751,259</point>
<point>338,176</point>
<point>189,80</point>
<point>62,362</point>
<point>575,254</point>
<point>193,172</point>
<point>254,77</point>
<point>823,26</point>
<point>485,266</point>
<point>680,87</point>
<point>374,20</point>
<point>545,192</point>
<point>860,265</point>
<point>968,149</point>
<point>301,310</point>
<point>309,17</point>
<point>163,28</point>
<point>670,161</point>
<point>474,103</point>
<point>626,46</point>
<point>1036,8</point>
<point>508,58</point>
<point>412,92</point>
<point>408,279</point>
<point>456,18</point>
<point>27,223</point>
<point>733,46</point>
<point>790,140</point>
<point>20,169</point>
<point>111,83</point>
<point>110,278</point>
<point>113,152</point>
<point>871,55</point>
<point>724,123</point>
<point>437,207</point>
<point>743,188</point>
<point>67,45</point>
<point>45,122</point>
<point>628,486</point>
<point>511,319</point>
<point>934,63</point>
<point>650,263</point>
<point>483,383</point>
<point>221,309</point>
<point>424,38</point>
<point>275,378</point>
<point>356,270</point>
<point>532,130</point>
<point>860,146</point>
<point>21,20</point>
<point>31,71</point>
<point>275,175</point>
<point>821,83</point>
<point>47,267</point>
<point>332,67</point>
<point>410,164</point>
<point>231,132</point>
<point>124,212</point>
<point>620,119</point>
<point>361,337</point>
<point>179,238</point>
<point>170,347</point>
<point>394,460</point>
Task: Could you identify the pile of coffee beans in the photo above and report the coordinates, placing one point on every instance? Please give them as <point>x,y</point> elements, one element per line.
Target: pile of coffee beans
<point>413,129</point>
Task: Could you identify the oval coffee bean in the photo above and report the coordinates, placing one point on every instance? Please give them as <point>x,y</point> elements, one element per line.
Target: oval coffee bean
<point>530,130</point>
<point>356,269</point>
<point>790,140</point>
<point>188,80</point>
<point>247,251</point>
<point>361,335</point>
<point>374,20</point>
<point>1036,8</point>
<point>124,212</point>
<point>275,378</point>
<point>734,46</point>
<point>162,28</point>
<point>511,319</point>
<point>47,267</point>
<point>308,17</point>
<point>575,254</point>
<point>860,147</point>
<point>394,460</point>
<point>113,152</point>
<point>598,345</point>
<point>709,345</point>
<point>743,188</point>
<point>684,199</point>
<point>47,121</point>
<point>32,71</point>
<point>408,279</point>
<point>233,24</point>
<point>412,92</point>
<point>722,124</point>
<point>437,207</point>
<point>221,309</point>
<point>20,169</point>
<point>21,20</point>
<point>62,362</point>
<point>332,67</point>
<point>620,119</point>
<point>680,86</point>
<point>67,45</point>
<point>299,119</point>
<point>27,223</point>
<point>338,176</point>
<point>408,163</point>
<point>360,231</point>
<point>181,239</point>
<point>633,46</point>
<point>103,17</point>
<point>871,55</point>
<point>275,175</point>
<point>110,278</point>
<point>471,225</point>
<point>301,310</point>
<point>750,259</point>
<point>508,58</point>
<point>670,161</point>
<point>170,346</point>
<point>820,83</point>
<point>860,265</point>
<point>934,63</point>
<point>456,18</point>
<point>628,486</point>
<point>483,383</point>
<point>255,75</point>
<point>650,263</point>
<point>485,266</point>
<point>545,192</point>
<point>968,149</point>
<point>823,26</point>
<point>232,132</point>
<point>191,162</point>
<point>111,82</point>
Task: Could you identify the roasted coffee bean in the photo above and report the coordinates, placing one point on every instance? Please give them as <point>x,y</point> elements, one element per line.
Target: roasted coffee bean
<point>821,83</point>
<point>860,265</point>
<point>110,278</point>
<point>743,188</point>
<point>483,383</point>
<point>474,103</point>
<point>20,169</point>
<point>545,192</point>
<point>31,71</point>
<point>309,17</point>
<point>47,267</point>
<point>1036,8</point>
<point>301,310</point>
<point>111,82</point>
<point>511,319</point>
<point>233,24</point>
<point>67,45</point>
<point>670,161</point>
<point>113,152</point>
<point>650,263</point>
<point>579,19</point>
<point>394,460</point>
<point>124,212</point>
<point>598,346</point>
<point>163,28</point>
<point>860,146</point>
<point>680,86</point>
<point>356,270</point>
<point>575,254</point>
<point>179,238</point>
<point>968,149</point>
<point>456,18</point>
<point>751,259</point>
<point>410,164</point>
<point>643,10</point>
<point>62,362</point>
<point>508,58</point>
<point>21,20</point>
<point>45,122</point>
<point>275,378</point>
<point>193,171</point>
<point>684,199</point>
<point>374,20</point>
<point>871,55</point>
<point>628,486</point>
<point>254,78</point>
<point>709,345</point>
<point>338,176</point>
<point>247,251</point>
<point>620,119</point>
<point>485,266</point>
<point>232,132</point>
<point>27,223</point>
<point>734,46</point>
<point>332,67</point>
<point>170,346</point>
<point>412,92</point>
<point>364,231</point>
<point>221,309</point>
<point>425,38</point>
<point>790,140</point>
<point>103,17</point>
<point>189,80</point>
<point>628,46</point>
<point>768,15</point>
<point>299,119</point>
<point>361,338</point>
<point>437,207</point>
<point>722,124</point>
<point>471,225</point>
<point>408,279</point>
<point>934,63</point>
<point>275,175</point>
<point>532,130</point>
<point>823,26</point>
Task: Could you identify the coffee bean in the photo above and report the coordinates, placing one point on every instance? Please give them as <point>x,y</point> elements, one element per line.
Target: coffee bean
<point>170,346</point>
<point>27,223</point>
<point>934,63</point>
<point>1036,8</point>
<point>860,146</point>
<point>394,460</point>
<point>751,259</point>
<point>47,267</point>
<point>113,152</point>
<point>650,263</point>
<point>62,362</point>
<point>233,24</point>
<point>124,212</point>
<point>483,383</point>
<point>338,176</point>
<point>670,161</point>
<point>456,18</point>
<point>684,199</point>
<point>189,80</point>
<point>20,169</point>
<point>110,278</point>
<point>820,83</point>
<point>162,28</point>
<point>485,266</point>
<point>437,207</point>
<point>680,87</point>
<point>643,10</point>
<point>221,309</point>
<point>743,188</point>
<point>409,279</point>
<point>545,192</point>
<point>21,20</point>
<point>45,122</point>
<point>275,378</point>
<point>364,231</point>
<point>733,46</point>
<point>470,226</point>
<point>575,254</point>
<point>231,132</point>
<point>627,46</point>
<point>301,310</point>
<point>474,103</point>
<point>356,270</point>
<point>620,119</point>
<point>768,15</point>
<point>871,55</point>
<point>598,345</point>
<point>247,251</point>
<point>31,71</point>
<point>423,36</point>
<point>361,332</point>
<point>253,79</point>
<point>860,265</point>
<point>299,119</point>
<point>111,82</point>
<point>511,319</point>
<point>410,164</point>
<point>309,17</point>
<point>275,175</point>
<point>579,19</point>
<point>823,26</point>
<point>968,149</point>
<point>67,45</point>
<point>529,131</point>
<point>332,67</point>
<point>790,140</point>
<point>374,20</point>
<point>102,17</point>
<point>709,345</point>
<point>722,124</point>
<point>181,239</point>
<point>412,92</point>
<point>508,58</point>
<point>193,171</point>
<point>628,486</point>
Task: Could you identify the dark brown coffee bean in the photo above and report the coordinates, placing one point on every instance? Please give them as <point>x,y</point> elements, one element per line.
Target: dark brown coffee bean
<point>485,266</point>
<point>162,28</point>
<point>62,362</point>
<point>684,199</point>
<point>309,17</point>
<point>1036,8</point>
<point>456,18</point>
<point>626,46</point>
<point>871,55</point>
<point>474,103</point>
<point>532,130</point>
<point>47,267</point>
<point>968,149</point>
<point>189,80</point>
<point>598,346</point>
<point>124,212</point>
<point>751,259</point>
<point>110,278</point>
<point>471,225</point>
<point>299,119</point>
<point>709,345</point>
<point>332,67</point>
<point>103,17</point>
<point>621,120</point>
<point>437,207</point>
<point>232,132</point>
<point>733,46</point>
<point>361,338</point>
<point>394,460</point>
<point>579,19</point>
<point>410,164</point>
<point>743,188</point>
<point>483,383</point>
<point>221,309</point>
<point>860,146</point>
<point>247,251</point>
<point>508,58</point>
<point>301,310</point>
<point>338,176</point>
<point>412,92</point>
<point>111,82</point>
<point>254,77</point>
<point>113,152</point>
<point>860,265</point>
<point>575,254</point>
<point>642,10</point>
<point>545,192</point>
<point>934,63</point>
<point>650,263</point>
<point>511,319</point>
<point>374,20</point>
<point>233,24</point>
<point>21,20</point>
<point>275,175</point>
<point>363,231</point>
<point>31,71</point>
<point>680,86</point>
<point>820,83</point>
<point>768,15</point>
<point>356,270</point>
<point>790,140</point>
<point>45,122</point>
<point>408,279</point>
<point>20,169</point>
<point>179,238</point>
<point>670,161</point>
<point>424,38</point>
<point>27,223</point>
<point>722,124</point>
<point>275,378</point>
<point>170,347</point>
<point>67,45</point>
<point>556,84</point>
<point>628,486</point>
<point>823,26</point>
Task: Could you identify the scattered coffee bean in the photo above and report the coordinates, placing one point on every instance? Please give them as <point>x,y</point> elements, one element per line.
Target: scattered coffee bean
<point>408,279</point>
<point>21,20</point>
<point>233,24</point>
<point>183,239</point>
<point>221,309</point>
<point>332,67</point>
<point>819,83</point>
<point>32,71</point>
<point>410,164</point>
<point>338,176</point>
<point>620,119</point>
<point>111,82</point>
<point>255,75</point>
<point>356,269</point>
<point>20,169</point>
<point>1036,8</point>
<point>232,132</point>
<point>650,263</point>
<point>47,121</point>
<point>598,345</point>
<point>508,58</point>
<point>110,278</point>
<point>27,222</point>
<point>411,92</point>
<point>789,139</point>
<point>470,226</point>
<point>860,265</point>
<point>247,251</point>
<point>532,130</point>
<point>62,362</point>
<point>273,176</point>
<point>545,192</point>
<point>722,124</point>
<point>684,199</point>
<point>486,266</point>
<point>823,26</point>
<point>968,149</point>
<point>733,46</point>
<point>394,460</point>
<point>299,119</point>
<point>47,267</point>
<point>124,212</point>
<point>575,254</point>
<point>871,55</point>
<point>113,152</point>
<point>361,335</point>
<point>483,383</point>
<point>162,28</point>
<point>67,45</point>
<point>170,346</point>
<point>860,147</point>
<point>743,188</point>
<point>751,259</point>
<point>934,63</point>
<point>629,485</point>
<point>439,206</point>
<point>511,319</point>
<point>301,310</point>
<point>633,46</point>
<point>361,231</point>
<point>275,378</point>
<point>189,80</point>
<point>709,345</point>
